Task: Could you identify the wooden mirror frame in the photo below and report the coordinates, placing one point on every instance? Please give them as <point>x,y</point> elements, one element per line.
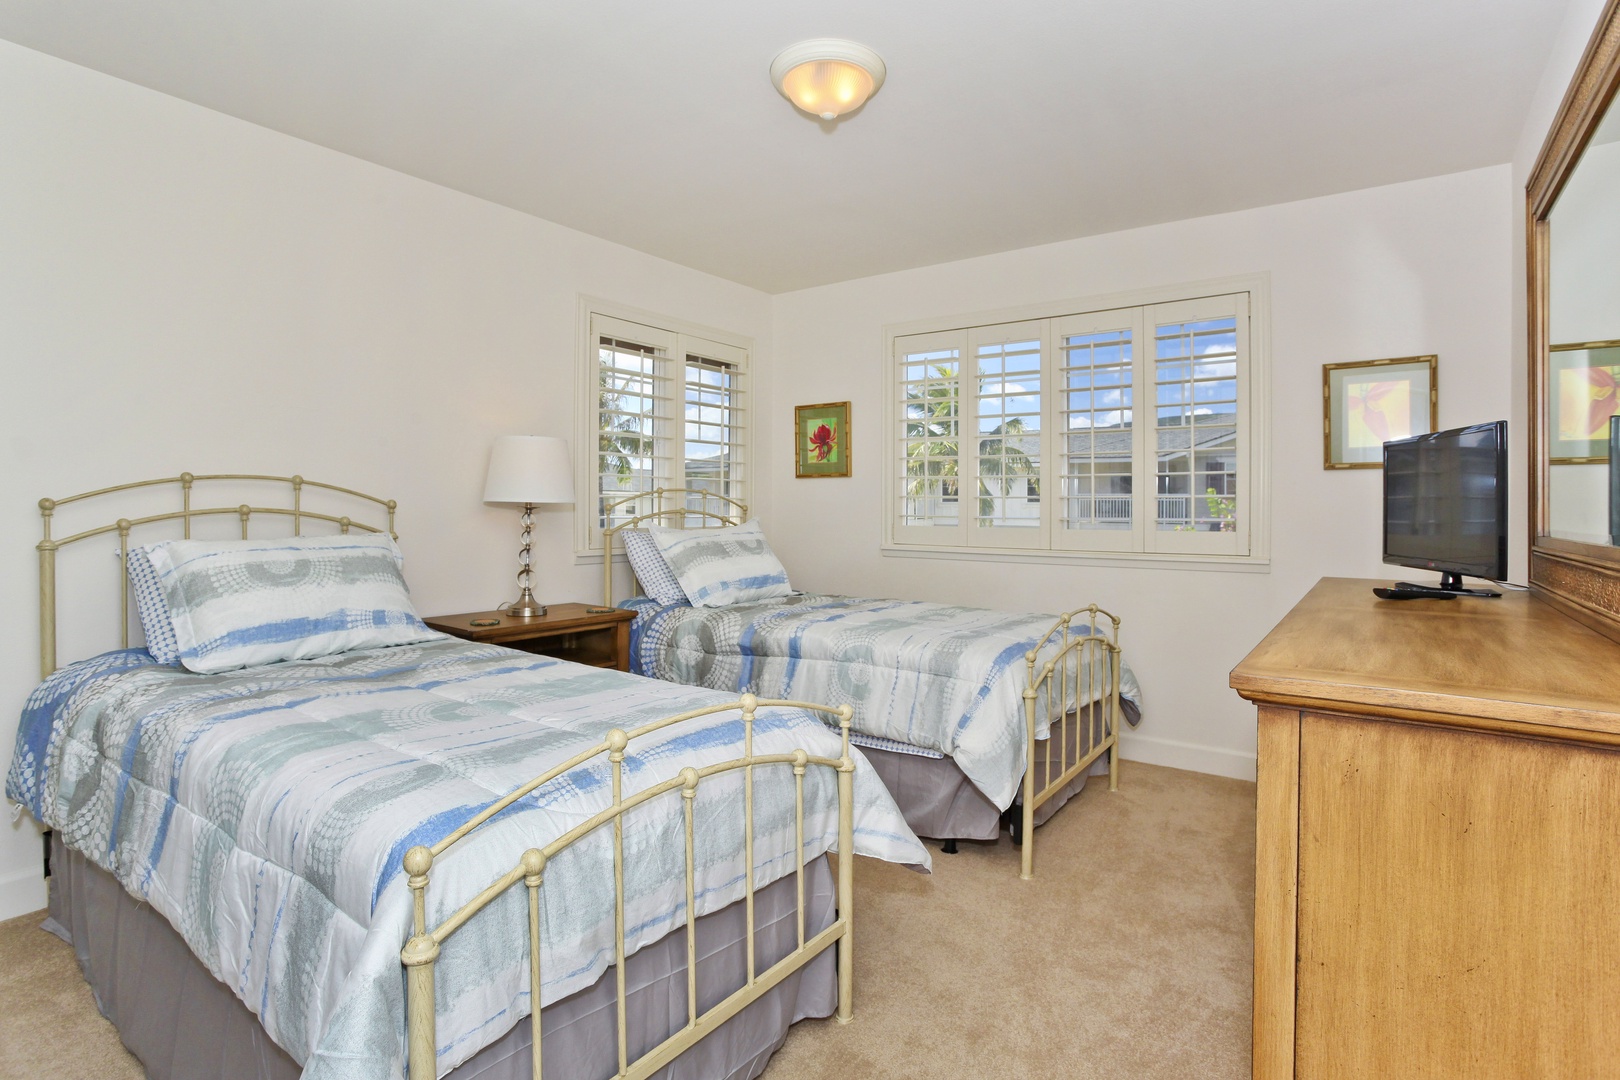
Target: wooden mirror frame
<point>1580,579</point>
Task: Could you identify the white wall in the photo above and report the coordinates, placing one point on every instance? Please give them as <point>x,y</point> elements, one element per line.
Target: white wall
<point>185,291</point>
<point>1421,267</point>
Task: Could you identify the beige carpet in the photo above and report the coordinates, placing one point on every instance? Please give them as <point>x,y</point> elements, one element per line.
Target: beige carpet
<point>1129,955</point>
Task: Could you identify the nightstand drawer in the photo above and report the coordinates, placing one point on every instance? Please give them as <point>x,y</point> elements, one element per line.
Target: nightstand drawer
<point>597,648</point>
<point>574,632</point>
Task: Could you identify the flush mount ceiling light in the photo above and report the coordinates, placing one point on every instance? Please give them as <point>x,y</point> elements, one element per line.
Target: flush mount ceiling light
<point>828,77</point>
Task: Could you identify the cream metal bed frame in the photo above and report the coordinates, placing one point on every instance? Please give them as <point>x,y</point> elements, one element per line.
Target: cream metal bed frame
<point>124,526</point>
<point>423,948</point>
<point>1081,661</point>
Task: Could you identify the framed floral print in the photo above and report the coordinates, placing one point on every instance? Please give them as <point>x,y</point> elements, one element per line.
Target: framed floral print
<point>1370,402</point>
<point>1581,395</point>
<point>821,436</point>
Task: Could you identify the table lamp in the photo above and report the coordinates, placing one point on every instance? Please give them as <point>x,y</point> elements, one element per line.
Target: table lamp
<point>525,470</point>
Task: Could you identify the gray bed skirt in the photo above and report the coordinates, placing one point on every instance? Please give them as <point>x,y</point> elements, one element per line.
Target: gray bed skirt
<point>941,803</point>
<point>184,1024</point>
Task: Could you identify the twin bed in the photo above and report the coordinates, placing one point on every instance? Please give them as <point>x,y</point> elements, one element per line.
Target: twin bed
<point>374,860</point>
<point>973,718</point>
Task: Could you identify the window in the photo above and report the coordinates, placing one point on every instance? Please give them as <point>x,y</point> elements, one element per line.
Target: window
<point>668,411</point>
<point>1126,430</point>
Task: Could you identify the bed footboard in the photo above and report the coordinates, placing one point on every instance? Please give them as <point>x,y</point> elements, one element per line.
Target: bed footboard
<point>1084,672</point>
<point>422,950</point>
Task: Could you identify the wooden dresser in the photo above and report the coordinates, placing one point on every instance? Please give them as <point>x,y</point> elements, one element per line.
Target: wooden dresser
<point>1437,888</point>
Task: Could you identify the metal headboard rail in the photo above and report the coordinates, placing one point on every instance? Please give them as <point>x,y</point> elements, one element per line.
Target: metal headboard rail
<point>48,546</point>
<point>738,515</point>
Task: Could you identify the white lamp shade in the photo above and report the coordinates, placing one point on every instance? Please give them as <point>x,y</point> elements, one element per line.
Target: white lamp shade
<point>529,469</point>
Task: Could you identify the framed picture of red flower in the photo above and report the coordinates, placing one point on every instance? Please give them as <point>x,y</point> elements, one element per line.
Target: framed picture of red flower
<point>821,439</point>
<point>1368,403</point>
<point>1583,391</point>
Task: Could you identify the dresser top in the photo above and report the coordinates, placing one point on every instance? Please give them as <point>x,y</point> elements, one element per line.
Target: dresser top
<point>1511,658</point>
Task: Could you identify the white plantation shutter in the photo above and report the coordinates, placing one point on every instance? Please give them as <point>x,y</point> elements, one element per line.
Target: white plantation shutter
<point>1004,448</point>
<point>1123,430</point>
<point>635,413</point>
<point>1199,358</point>
<point>1099,444</point>
<point>669,412</point>
<point>928,462</point>
<point>713,448</point>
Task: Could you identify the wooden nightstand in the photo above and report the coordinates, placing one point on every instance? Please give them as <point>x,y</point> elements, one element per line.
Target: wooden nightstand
<point>567,631</point>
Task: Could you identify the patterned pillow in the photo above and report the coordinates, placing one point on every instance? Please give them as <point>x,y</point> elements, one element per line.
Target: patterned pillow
<point>651,568</point>
<point>242,603</point>
<point>153,610</point>
<point>720,567</point>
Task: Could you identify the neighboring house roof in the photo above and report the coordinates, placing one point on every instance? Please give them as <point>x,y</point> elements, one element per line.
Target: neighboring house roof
<point>1116,442</point>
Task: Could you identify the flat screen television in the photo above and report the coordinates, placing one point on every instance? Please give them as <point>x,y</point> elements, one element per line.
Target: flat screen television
<point>1446,503</point>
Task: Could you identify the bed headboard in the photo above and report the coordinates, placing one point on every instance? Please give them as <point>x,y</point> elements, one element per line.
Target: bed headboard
<point>380,510</point>
<point>666,506</point>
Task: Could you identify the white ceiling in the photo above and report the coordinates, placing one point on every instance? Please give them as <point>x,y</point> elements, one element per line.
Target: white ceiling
<point>1002,125</point>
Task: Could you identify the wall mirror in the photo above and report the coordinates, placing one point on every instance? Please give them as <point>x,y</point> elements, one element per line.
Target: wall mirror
<point>1573,245</point>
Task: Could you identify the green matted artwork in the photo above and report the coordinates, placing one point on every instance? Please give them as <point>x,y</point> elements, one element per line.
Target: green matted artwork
<point>1582,381</point>
<point>821,439</point>
<point>1371,402</point>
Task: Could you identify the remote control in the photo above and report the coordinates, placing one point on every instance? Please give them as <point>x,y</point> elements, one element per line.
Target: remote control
<point>1414,594</point>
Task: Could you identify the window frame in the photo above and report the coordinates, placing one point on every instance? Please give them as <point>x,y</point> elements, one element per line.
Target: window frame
<point>681,337</point>
<point>1247,548</point>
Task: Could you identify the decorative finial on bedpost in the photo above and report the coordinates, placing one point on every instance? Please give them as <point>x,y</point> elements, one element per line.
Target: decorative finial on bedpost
<point>689,782</point>
<point>534,864</point>
<point>846,714</point>
<point>750,704</point>
<point>418,861</point>
<point>617,740</point>
<point>244,511</point>
<point>392,506</point>
<point>344,523</point>
<point>47,507</point>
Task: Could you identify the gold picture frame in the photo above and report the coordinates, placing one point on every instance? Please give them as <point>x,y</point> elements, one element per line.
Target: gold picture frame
<point>1581,375</point>
<point>1367,403</point>
<point>821,440</point>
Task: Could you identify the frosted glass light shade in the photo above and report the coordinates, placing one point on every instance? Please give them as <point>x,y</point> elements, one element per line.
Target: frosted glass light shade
<point>529,469</point>
<point>828,77</point>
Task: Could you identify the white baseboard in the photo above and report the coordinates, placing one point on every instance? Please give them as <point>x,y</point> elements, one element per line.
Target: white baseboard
<point>21,893</point>
<point>1175,754</point>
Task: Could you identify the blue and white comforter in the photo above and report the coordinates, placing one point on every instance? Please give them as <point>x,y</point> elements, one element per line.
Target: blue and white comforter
<point>264,813</point>
<point>946,678</point>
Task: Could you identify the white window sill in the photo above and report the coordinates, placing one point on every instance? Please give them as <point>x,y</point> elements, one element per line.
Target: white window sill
<point>1231,564</point>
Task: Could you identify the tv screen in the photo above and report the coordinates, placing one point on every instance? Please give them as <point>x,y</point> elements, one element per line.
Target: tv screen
<point>1445,502</point>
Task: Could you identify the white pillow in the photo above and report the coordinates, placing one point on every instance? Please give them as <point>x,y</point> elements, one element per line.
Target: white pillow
<point>720,567</point>
<point>651,568</point>
<point>242,603</point>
